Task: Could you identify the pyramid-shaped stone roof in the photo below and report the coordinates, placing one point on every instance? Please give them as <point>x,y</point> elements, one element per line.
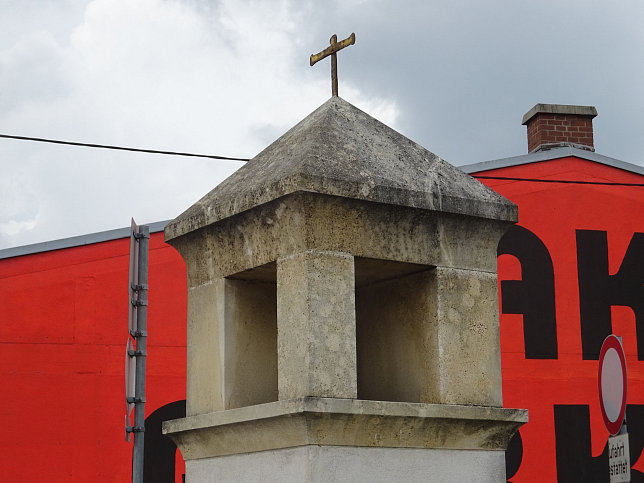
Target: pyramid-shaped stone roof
<point>339,150</point>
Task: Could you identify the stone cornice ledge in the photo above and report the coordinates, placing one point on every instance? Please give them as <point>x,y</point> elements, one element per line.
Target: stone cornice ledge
<point>344,422</point>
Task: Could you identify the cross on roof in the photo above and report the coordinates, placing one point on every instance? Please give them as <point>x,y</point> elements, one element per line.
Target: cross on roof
<point>332,51</point>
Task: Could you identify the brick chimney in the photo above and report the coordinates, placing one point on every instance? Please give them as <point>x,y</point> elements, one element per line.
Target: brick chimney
<point>554,125</point>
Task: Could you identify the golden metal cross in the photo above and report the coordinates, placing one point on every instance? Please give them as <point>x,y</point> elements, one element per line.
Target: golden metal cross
<point>332,51</point>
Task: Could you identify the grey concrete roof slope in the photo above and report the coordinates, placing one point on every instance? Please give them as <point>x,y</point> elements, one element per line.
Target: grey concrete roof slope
<point>340,150</point>
<point>550,154</point>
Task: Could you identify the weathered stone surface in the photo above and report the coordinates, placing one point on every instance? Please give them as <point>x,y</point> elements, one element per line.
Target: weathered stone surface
<point>397,356</point>
<point>344,422</point>
<point>204,372</point>
<point>334,464</point>
<point>306,221</point>
<point>398,241</point>
<point>340,283</point>
<point>232,345</point>
<point>316,324</point>
<point>250,363</point>
<point>468,354</point>
<point>431,336</point>
<point>341,151</point>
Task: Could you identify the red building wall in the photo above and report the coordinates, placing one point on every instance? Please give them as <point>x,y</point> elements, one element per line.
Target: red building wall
<point>62,339</point>
<point>560,391</point>
<point>64,319</point>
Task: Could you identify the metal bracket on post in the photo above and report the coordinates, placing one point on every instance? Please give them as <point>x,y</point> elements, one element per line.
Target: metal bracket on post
<point>139,235</point>
<point>138,333</point>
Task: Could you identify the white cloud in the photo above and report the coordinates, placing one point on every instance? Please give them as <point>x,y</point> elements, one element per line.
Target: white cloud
<point>221,78</point>
<point>15,227</point>
<point>30,71</point>
<point>155,67</point>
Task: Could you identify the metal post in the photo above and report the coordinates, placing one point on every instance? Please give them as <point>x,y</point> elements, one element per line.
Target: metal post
<point>141,352</point>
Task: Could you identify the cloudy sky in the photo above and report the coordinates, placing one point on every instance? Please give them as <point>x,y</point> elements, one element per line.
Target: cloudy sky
<point>229,77</point>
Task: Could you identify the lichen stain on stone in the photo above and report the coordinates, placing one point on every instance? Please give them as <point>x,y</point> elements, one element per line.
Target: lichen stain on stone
<point>478,328</point>
<point>474,287</point>
<point>468,301</point>
<point>333,342</point>
<point>454,316</point>
<point>279,211</point>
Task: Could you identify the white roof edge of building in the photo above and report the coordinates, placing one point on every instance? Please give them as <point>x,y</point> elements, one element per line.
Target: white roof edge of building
<point>553,153</point>
<point>76,241</point>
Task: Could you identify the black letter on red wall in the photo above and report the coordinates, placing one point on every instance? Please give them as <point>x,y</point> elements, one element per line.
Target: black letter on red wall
<point>159,450</point>
<point>513,456</point>
<point>598,290</point>
<point>575,461</point>
<point>533,295</point>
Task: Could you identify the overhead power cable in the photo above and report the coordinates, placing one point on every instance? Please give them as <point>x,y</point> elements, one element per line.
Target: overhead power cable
<point>565,181</point>
<point>229,158</point>
<point>121,148</point>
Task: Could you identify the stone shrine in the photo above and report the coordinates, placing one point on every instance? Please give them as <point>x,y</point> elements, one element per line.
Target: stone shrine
<point>343,314</point>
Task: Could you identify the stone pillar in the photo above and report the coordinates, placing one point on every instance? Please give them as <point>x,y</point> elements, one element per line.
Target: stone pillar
<point>316,325</point>
<point>465,312</point>
<point>206,308</point>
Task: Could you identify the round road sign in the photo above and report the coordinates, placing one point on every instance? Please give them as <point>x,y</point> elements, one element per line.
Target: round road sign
<point>612,383</point>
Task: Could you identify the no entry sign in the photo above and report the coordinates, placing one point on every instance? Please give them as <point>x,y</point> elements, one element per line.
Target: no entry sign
<point>612,383</point>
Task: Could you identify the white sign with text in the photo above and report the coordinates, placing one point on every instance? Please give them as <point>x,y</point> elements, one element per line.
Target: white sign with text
<point>619,461</point>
